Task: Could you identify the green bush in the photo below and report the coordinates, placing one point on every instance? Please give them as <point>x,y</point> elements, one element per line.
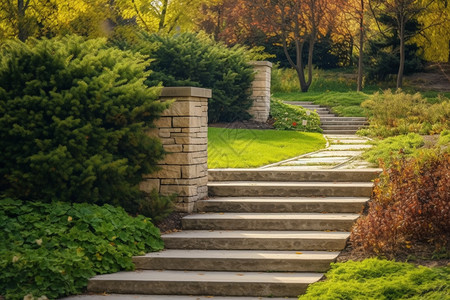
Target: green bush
<point>73,116</point>
<point>53,249</point>
<point>401,113</point>
<point>290,117</point>
<point>394,147</point>
<point>189,59</point>
<point>381,279</point>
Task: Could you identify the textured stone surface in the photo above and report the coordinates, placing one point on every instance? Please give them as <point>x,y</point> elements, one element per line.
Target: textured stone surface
<point>237,260</point>
<point>273,175</point>
<point>280,204</point>
<point>197,283</point>
<point>270,221</point>
<point>261,91</point>
<point>256,240</point>
<point>163,297</point>
<point>290,189</point>
<point>182,130</point>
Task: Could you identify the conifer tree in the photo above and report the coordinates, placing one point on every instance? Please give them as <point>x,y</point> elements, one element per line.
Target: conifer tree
<point>73,116</point>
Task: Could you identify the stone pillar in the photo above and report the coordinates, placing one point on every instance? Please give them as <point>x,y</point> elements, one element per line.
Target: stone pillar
<point>261,91</point>
<point>183,131</point>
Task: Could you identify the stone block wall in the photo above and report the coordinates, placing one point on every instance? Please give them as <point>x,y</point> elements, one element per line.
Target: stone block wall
<point>183,131</point>
<point>261,91</point>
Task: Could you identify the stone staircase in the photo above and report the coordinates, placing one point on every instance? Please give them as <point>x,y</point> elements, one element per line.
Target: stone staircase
<point>263,233</point>
<point>330,123</point>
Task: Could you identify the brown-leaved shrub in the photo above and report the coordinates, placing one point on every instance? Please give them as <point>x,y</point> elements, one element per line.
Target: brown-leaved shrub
<point>410,209</point>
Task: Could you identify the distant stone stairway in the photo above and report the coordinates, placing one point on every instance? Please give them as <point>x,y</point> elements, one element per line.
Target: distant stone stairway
<point>263,233</point>
<point>330,123</point>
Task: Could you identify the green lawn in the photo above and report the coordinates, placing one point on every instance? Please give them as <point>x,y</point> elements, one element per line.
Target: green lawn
<point>246,148</point>
<point>347,104</point>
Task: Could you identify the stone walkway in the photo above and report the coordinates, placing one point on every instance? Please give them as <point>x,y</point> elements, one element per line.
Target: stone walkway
<point>267,231</point>
<point>342,152</point>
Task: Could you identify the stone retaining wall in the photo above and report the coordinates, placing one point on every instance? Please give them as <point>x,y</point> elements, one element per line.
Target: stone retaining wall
<point>183,131</point>
<point>261,91</point>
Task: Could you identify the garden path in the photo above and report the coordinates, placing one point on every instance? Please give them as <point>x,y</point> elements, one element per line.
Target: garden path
<point>270,231</point>
<point>342,152</point>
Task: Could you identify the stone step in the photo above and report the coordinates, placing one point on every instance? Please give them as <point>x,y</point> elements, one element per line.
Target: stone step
<point>338,131</point>
<point>256,240</point>
<point>316,108</point>
<point>343,122</point>
<point>344,119</point>
<point>237,260</point>
<point>163,297</point>
<point>299,103</point>
<point>283,204</point>
<point>269,221</point>
<point>341,127</point>
<point>201,283</point>
<point>289,189</point>
<point>325,115</point>
<point>293,175</point>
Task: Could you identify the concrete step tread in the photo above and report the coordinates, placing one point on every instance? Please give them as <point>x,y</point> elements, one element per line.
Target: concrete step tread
<point>208,276</point>
<point>163,297</point>
<point>272,216</point>
<point>344,127</point>
<point>289,184</point>
<point>289,199</point>
<point>242,254</point>
<point>253,234</point>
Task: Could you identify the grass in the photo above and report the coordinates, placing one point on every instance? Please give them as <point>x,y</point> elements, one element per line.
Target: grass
<point>335,89</point>
<point>247,148</point>
<point>346,104</point>
<point>381,279</point>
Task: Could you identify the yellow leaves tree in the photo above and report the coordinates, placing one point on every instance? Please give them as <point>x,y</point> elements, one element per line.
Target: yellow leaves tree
<point>37,18</point>
<point>435,39</point>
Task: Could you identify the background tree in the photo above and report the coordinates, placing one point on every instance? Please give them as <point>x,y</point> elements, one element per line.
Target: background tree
<point>402,11</point>
<point>295,23</point>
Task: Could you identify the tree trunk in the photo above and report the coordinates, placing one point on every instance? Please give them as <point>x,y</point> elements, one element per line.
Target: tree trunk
<point>162,18</point>
<point>401,67</point>
<point>306,86</point>
<point>448,51</point>
<point>21,24</point>
<point>361,48</point>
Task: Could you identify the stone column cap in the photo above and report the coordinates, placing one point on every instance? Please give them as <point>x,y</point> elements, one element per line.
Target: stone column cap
<point>186,91</point>
<point>261,63</point>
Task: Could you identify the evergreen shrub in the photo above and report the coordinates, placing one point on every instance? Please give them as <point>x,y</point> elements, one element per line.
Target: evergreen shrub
<point>190,59</point>
<point>73,116</point>
<point>53,249</point>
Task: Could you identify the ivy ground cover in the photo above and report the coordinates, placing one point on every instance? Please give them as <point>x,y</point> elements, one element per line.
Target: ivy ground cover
<point>52,249</point>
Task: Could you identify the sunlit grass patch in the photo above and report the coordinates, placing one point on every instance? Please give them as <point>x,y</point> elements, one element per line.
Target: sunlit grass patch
<point>248,148</point>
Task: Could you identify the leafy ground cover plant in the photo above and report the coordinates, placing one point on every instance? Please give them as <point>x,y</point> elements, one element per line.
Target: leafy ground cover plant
<point>247,148</point>
<point>73,116</point>
<point>52,249</point>
<point>396,113</point>
<point>410,209</point>
<point>381,279</point>
<point>290,117</point>
<point>384,151</point>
